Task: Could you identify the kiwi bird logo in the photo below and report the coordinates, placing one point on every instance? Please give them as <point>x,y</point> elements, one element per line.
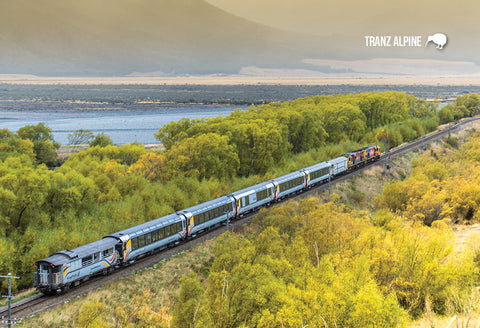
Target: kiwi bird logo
<point>439,39</point>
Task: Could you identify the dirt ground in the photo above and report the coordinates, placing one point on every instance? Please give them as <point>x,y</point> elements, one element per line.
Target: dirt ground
<point>247,80</point>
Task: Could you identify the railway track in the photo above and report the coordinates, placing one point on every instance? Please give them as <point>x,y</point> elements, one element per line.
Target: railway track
<point>39,303</point>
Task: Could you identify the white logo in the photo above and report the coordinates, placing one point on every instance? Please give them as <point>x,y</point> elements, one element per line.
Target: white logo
<point>439,39</point>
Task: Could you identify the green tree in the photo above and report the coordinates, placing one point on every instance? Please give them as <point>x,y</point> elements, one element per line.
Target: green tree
<point>44,145</point>
<point>80,136</point>
<point>188,306</point>
<point>101,140</point>
<point>446,114</point>
<point>204,156</point>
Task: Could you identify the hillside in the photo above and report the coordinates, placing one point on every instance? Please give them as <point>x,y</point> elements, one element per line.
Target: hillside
<point>119,37</point>
<point>351,281</point>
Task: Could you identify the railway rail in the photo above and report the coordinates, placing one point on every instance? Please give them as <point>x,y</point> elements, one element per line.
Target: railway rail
<point>40,303</point>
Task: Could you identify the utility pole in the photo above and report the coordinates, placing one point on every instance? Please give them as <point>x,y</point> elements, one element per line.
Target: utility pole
<point>385,167</point>
<point>9,277</point>
<point>228,221</point>
<point>422,144</point>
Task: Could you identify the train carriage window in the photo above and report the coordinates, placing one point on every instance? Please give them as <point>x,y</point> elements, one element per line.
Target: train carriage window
<point>141,241</point>
<point>148,238</point>
<point>107,252</point>
<point>154,236</point>
<point>161,233</point>
<point>262,194</point>
<point>134,243</point>
<point>167,231</point>
<point>87,260</point>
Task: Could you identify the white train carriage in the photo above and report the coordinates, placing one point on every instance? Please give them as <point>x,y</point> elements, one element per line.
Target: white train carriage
<point>63,269</point>
<point>316,174</point>
<point>252,198</point>
<point>151,236</point>
<point>289,184</point>
<point>209,214</point>
<point>338,165</point>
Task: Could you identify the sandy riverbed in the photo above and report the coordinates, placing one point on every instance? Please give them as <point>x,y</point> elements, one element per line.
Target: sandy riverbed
<point>245,80</point>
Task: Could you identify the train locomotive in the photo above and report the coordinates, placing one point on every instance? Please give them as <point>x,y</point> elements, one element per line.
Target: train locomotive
<point>68,268</point>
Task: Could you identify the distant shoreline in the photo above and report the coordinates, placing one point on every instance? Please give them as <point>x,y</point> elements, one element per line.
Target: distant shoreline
<point>241,80</point>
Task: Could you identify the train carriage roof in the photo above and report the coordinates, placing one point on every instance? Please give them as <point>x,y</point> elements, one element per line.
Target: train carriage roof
<point>214,203</point>
<point>66,256</point>
<point>290,176</point>
<point>317,166</point>
<point>338,160</point>
<point>149,226</point>
<point>259,186</point>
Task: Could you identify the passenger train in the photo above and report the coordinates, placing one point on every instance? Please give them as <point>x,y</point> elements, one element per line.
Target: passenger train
<point>69,268</point>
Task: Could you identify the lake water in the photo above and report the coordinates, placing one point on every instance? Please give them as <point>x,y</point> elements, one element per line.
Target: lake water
<point>124,123</point>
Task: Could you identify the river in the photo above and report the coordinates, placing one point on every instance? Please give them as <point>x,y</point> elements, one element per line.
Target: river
<point>126,123</point>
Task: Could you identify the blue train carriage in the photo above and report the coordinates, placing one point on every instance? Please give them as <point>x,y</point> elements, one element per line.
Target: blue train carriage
<point>150,237</point>
<point>338,165</point>
<point>362,156</point>
<point>316,174</point>
<point>290,183</point>
<point>68,268</point>
<point>210,214</point>
<point>252,198</point>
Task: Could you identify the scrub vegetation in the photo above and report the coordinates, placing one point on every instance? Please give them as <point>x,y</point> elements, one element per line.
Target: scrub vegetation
<point>300,263</point>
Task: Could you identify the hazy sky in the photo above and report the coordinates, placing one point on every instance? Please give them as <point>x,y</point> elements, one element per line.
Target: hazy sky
<point>247,37</point>
<point>325,17</point>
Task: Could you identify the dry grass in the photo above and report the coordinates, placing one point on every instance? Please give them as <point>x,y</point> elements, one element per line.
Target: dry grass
<point>467,237</point>
<point>245,80</point>
<point>361,190</point>
<point>445,322</point>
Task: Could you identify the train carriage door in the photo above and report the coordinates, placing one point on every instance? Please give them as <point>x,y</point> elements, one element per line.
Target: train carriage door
<point>184,227</point>
<point>252,198</point>
<point>43,273</point>
<point>190,222</point>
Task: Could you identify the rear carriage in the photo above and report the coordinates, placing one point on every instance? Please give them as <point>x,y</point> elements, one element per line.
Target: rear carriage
<point>67,268</point>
